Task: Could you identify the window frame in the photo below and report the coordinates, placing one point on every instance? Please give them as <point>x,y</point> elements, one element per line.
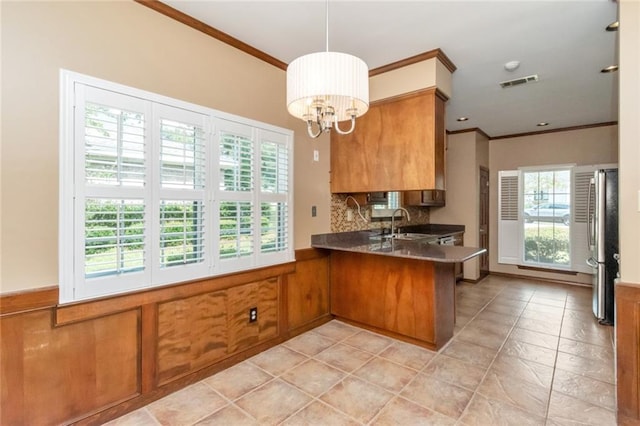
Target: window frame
<point>74,286</point>
<point>521,222</point>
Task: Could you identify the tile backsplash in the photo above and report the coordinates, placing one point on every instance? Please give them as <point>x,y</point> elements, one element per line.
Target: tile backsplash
<point>340,216</point>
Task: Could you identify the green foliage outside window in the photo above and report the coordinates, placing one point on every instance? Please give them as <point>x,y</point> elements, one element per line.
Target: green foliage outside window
<point>548,245</point>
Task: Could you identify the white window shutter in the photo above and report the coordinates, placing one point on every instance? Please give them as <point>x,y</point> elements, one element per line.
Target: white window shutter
<point>276,210</point>
<point>581,179</point>
<point>180,210</point>
<point>508,217</point>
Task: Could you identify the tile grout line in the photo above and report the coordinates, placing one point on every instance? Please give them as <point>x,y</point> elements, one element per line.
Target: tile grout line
<point>312,357</point>
<point>555,362</point>
<point>475,392</point>
<point>347,374</point>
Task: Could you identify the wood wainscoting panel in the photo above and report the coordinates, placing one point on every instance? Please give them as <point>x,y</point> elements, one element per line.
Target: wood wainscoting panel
<point>92,361</point>
<point>192,333</point>
<point>51,375</point>
<point>308,289</point>
<point>628,351</point>
<point>269,307</point>
<point>262,295</point>
<point>198,331</point>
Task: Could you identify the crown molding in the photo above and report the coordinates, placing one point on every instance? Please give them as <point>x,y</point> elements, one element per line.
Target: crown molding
<point>435,53</point>
<point>472,129</point>
<point>563,129</point>
<point>196,24</point>
<point>172,13</point>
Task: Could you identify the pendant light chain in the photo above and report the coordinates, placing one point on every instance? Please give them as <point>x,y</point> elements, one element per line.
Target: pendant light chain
<point>327,27</point>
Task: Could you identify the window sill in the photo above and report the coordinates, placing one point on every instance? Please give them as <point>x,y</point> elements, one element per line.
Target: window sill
<point>553,271</point>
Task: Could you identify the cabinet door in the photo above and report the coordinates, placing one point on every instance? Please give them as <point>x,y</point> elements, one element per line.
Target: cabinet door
<point>398,145</point>
<point>432,197</point>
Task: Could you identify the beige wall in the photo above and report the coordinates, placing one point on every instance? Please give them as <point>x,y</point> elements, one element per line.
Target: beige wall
<point>466,152</point>
<point>129,44</point>
<point>629,42</point>
<point>460,208</point>
<point>587,146</point>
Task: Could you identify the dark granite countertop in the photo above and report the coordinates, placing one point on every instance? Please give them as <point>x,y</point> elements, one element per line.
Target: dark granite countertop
<point>372,242</point>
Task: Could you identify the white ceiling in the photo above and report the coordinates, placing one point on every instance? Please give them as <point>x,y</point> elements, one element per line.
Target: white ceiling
<point>563,41</point>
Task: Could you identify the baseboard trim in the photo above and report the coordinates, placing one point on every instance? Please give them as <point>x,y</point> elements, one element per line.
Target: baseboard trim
<point>476,281</point>
<point>528,277</point>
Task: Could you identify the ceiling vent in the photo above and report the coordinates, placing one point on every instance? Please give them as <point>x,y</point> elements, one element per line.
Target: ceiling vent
<point>519,81</point>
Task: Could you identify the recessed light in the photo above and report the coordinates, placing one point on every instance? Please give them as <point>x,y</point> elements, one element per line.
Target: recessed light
<point>463,119</point>
<point>613,26</point>
<point>610,68</point>
<point>542,124</point>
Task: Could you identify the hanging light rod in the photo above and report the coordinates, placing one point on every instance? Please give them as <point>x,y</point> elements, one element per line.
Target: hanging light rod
<point>325,88</point>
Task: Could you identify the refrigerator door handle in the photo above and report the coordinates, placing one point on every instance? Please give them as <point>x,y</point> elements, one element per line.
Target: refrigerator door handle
<point>598,292</point>
<point>590,215</point>
<point>591,262</point>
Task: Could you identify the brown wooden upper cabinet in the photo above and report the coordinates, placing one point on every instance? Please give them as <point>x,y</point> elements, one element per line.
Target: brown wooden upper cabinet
<point>398,145</point>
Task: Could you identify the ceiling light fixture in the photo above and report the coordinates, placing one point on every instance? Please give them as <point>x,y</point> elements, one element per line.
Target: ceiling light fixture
<point>610,68</point>
<point>327,87</point>
<point>542,124</point>
<point>512,66</point>
<point>613,26</point>
<point>462,119</point>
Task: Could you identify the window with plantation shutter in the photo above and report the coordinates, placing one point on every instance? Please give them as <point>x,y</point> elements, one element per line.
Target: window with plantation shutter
<point>155,191</point>
<point>542,216</point>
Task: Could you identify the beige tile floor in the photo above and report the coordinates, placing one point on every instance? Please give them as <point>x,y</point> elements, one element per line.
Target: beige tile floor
<point>523,353</point>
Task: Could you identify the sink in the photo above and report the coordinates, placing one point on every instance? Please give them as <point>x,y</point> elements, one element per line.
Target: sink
<point>404,236</point>
<point>412,236</point>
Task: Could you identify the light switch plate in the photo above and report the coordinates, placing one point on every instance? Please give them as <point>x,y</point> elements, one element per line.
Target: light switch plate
<point>316,155</point>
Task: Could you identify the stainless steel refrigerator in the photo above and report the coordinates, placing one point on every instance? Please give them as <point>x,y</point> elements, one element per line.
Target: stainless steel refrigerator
<point>602,228</point>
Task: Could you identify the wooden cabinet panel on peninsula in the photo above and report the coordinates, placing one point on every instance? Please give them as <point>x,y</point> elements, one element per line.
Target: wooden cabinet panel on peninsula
<point>308,291</point>
<point>398,145</point>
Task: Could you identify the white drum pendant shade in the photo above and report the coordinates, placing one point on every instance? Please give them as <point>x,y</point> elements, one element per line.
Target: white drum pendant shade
<point>338,79</point>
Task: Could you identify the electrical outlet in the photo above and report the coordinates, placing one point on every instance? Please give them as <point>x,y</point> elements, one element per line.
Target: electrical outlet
<point>253,314</point>
<point>314,211</point>
<point>316,155</point>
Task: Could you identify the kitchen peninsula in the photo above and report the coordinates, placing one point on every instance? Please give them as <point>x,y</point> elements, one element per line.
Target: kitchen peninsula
<point>404,288</point>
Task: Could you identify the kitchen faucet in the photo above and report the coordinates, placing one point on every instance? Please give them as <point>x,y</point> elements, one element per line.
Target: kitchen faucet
<point>393,218</point>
